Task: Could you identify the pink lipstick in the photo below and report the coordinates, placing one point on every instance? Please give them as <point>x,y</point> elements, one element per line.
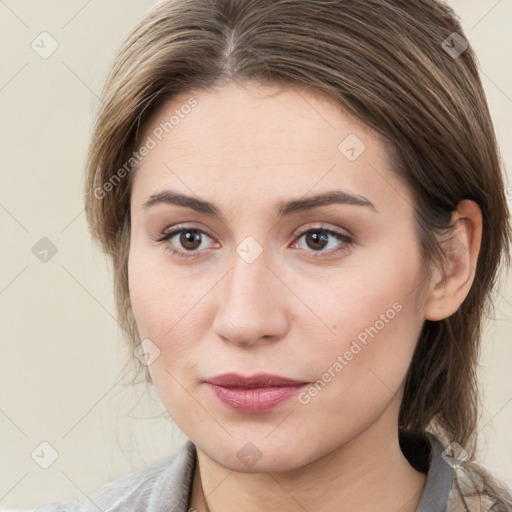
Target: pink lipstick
<point>253,394</point>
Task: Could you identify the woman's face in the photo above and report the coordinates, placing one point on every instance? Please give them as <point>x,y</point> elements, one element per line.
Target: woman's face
<point>268,277</point>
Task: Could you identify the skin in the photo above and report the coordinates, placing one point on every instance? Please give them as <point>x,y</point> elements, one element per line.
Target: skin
<point>244,148</point>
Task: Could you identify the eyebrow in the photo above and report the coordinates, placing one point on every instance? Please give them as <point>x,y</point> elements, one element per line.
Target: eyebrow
<point>283,208</point>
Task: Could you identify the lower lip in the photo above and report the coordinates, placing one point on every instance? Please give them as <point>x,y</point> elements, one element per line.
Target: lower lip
<point>255,399</point>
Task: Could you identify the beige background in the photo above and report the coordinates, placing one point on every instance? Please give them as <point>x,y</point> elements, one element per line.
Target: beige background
<point>62,358</point>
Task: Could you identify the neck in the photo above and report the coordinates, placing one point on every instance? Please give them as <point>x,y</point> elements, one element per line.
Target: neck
<point>368,473</point>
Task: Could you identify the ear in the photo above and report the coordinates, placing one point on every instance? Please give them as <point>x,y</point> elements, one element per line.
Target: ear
<point>448,292</point>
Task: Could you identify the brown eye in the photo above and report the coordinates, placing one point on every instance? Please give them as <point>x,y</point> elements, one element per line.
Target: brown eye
<point>317,239</point>
<point>189,239</point>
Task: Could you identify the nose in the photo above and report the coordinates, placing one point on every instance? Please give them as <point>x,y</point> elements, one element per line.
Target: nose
<point>253,304</point>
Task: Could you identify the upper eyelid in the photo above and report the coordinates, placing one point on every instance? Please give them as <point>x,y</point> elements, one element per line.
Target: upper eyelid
<point>311,227</point>
<point>301,230</point>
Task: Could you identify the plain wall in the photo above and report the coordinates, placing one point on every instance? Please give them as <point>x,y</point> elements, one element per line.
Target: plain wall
<point>61,364</point>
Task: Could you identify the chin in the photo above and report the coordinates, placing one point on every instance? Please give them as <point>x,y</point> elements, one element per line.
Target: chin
<point>257,456</point>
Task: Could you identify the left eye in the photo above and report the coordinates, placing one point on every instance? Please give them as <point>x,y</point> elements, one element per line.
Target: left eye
<point>317,239</point>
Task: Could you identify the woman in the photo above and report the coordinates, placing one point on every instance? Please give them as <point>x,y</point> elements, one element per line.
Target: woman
<point>305,209</point>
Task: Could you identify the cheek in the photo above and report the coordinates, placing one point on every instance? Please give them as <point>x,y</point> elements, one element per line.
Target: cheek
<point>376,337</point>
<point>359,374</point>
<point>374,326</point>
<point>146,298</point>
<point>167,306</point>
<point>163,315</point>
<point>151,294</point>
<point>152,289</point>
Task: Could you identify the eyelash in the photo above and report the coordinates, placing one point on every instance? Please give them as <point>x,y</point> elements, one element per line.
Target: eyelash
<point>348,241</point>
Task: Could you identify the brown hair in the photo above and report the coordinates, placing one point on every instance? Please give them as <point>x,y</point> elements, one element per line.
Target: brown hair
<point>391,63</point>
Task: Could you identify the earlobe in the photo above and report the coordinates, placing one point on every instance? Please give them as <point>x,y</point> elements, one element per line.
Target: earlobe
<point>461,249</point>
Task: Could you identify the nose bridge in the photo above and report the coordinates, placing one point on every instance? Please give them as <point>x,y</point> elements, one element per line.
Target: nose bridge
<point>249,273</point>
<point>249,303</point>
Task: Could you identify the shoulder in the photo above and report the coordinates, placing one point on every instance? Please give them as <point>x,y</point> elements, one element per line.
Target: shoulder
<point>454,484</point>
<point>164,483</point>
<point>160,486</point>
<point>475,488</point>
<point>472,486</point>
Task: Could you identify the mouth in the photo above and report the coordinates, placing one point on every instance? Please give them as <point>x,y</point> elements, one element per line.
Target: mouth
<point>253,394</point>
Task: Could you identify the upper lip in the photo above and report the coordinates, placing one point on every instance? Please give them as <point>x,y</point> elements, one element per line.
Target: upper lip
<point>259,380</point>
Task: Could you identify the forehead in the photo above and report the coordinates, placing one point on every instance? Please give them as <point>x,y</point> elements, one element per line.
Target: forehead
<point>254,139</point>
<point>255,116</point>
